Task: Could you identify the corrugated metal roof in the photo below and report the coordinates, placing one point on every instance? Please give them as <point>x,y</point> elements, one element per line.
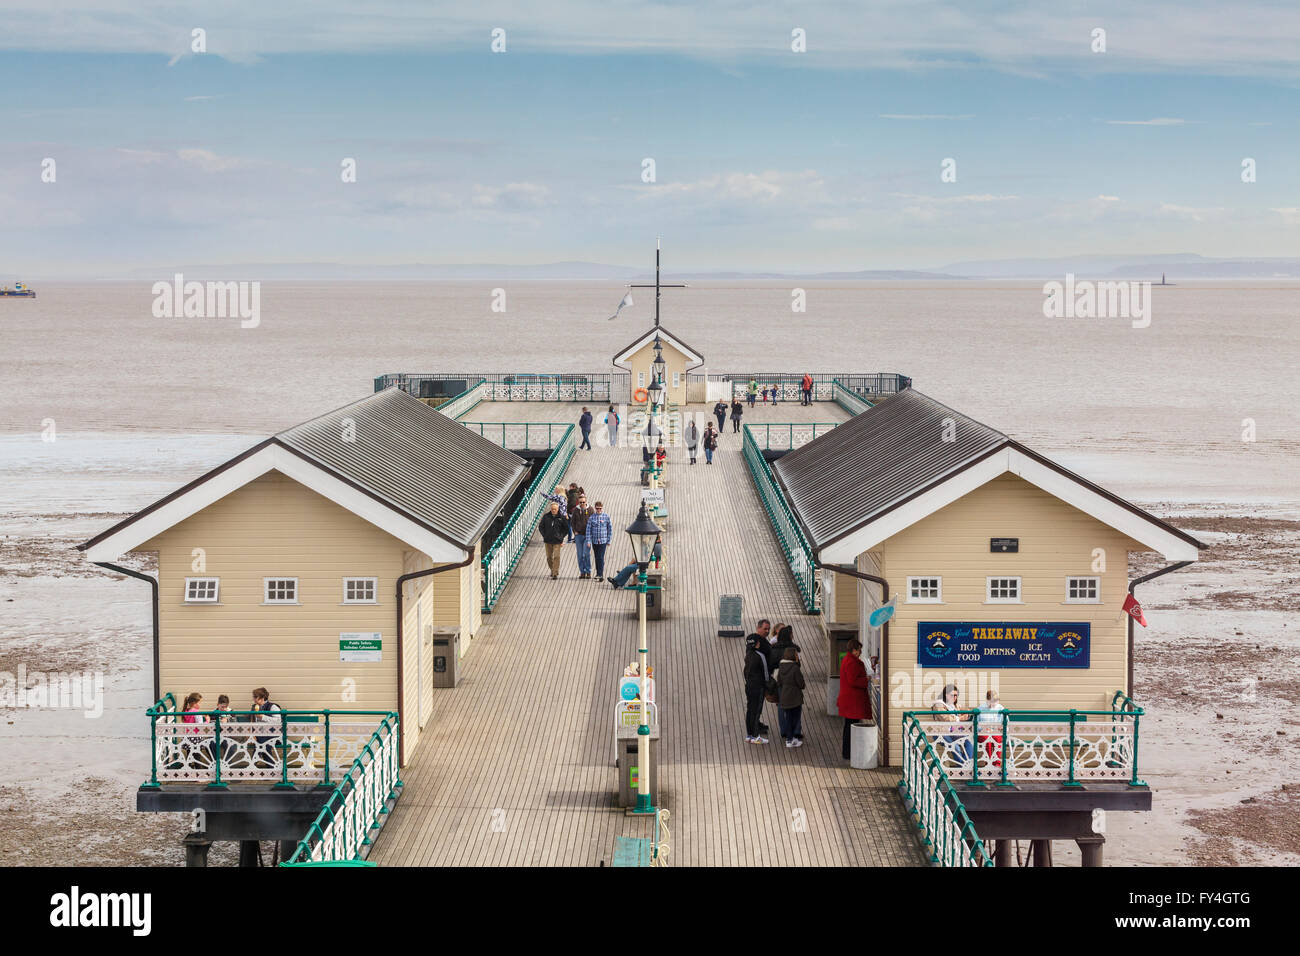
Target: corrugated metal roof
<point>841,480</point>
<point>416,460</point>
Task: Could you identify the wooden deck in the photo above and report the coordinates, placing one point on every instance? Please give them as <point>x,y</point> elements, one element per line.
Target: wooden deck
<point>516,766</point>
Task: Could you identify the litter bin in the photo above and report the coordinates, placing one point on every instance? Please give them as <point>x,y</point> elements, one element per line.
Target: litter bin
<point>446,656</point>
<point>863,741</point>
<point>628,781</point>
<point>654,600</point>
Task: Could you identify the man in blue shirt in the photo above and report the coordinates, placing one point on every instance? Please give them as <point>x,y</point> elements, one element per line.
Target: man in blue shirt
<point>600,531</point>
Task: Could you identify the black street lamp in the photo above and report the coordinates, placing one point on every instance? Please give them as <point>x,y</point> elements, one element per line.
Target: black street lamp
<point>643,532</point>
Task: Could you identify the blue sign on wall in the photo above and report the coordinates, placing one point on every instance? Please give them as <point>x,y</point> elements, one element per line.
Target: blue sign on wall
<point>1002,644</point>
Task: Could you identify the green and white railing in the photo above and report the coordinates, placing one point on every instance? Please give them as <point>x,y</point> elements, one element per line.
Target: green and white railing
<point>455,407</point>
<point>798,553</point>
<point>789,386</point>
<point>355,811</point>
<point>789,435</point>
<point>499,563</point>
<point>946,829</point>
<point>285,748</point>
<point>1007,747</point>
<point>848,399</point>
<point>535,436</point>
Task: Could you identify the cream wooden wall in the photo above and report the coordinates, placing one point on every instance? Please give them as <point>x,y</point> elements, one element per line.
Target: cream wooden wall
<point>674,361</point>
<point>272,527</point>
<point>1056,541</point>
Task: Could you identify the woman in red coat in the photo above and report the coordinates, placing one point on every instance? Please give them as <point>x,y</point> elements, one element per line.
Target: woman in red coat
<point>853,703</point>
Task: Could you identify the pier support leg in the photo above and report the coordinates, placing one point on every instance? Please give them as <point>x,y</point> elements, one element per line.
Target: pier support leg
<point>1042,850</point>
<point>287,848</point>
<point>1002,853</point>
<point>248,853</point>
<point>1090,848</point>
<point>196,849</point>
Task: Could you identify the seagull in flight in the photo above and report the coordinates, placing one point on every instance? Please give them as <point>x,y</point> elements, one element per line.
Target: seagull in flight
<point>627,301</point>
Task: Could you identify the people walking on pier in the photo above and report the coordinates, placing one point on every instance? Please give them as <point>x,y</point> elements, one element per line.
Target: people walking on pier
<point>571,502</point>
<point>789,680</point>
<point>600,531</point>
<point>720,413</point>
<point>753,391</point>
<point>756,677</point>
<point>578,520</point>
<point>736,411</point>
<point>584,423</point>
<point>692,437</point>
<point>559,497</point>
<point>611,426</point>
<point>853,702</point>
<point>806,387</point>
<point>710,443</point>
<point>554,529</point>
<point>776,390</point>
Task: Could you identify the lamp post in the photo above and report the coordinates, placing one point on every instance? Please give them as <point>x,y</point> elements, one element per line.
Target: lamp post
<point>656,390</point>
<point>643,532</point>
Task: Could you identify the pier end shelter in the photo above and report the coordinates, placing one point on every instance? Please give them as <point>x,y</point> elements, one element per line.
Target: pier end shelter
<point>679,358</point>
<point>969,526</point>
<point>280,568</point>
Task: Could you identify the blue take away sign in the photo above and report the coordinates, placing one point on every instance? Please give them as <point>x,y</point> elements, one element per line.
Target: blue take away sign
<point>1003,644</point>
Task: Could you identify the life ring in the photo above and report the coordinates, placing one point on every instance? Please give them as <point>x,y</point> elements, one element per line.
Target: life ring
<point>641,395</point>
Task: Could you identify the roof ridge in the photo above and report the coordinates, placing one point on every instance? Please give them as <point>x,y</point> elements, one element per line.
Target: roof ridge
<point>355,401</point>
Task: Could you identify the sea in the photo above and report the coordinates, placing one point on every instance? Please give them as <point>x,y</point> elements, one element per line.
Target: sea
<point>104,405</point>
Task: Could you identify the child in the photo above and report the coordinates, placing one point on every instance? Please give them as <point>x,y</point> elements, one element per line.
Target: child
<point>990,727</point>
<point>790,685</point>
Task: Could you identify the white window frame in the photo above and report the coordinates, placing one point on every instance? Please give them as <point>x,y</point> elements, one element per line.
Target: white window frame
<point>911,583</point>
<point>1096,586</point>
<point>266,584</point>
<point>677,379</point>
<point>988,589</point>
<point>374,590</point>
<point>640,379</point>
<point>216,591</point>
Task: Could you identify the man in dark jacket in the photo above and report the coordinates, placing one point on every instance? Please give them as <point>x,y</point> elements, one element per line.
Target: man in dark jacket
<point>578,518</point>
<point>720,413</point>
<point>757,675</point>
<point>554,530</point>
<point>736,411</point>
<point>584,423</point>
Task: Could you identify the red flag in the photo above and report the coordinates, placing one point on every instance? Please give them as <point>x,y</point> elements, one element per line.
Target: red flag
<point>1134,610</point>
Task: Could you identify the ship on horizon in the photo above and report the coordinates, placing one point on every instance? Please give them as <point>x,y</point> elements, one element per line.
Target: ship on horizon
<point>19,291</point>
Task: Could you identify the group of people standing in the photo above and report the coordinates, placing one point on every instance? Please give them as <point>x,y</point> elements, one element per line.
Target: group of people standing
<point>773,674</point>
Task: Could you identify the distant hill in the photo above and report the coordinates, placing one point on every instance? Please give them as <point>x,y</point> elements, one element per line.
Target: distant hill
<point>1175,266</point>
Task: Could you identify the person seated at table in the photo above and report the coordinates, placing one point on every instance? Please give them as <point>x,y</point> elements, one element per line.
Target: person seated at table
<point>958,744</point>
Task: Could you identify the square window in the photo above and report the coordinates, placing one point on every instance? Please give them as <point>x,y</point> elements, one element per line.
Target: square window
<point>1083,590</point>
<point>360,590</point>
<point>281,590</point>
<point>1003,591</point>
<point>202,590</point>
<point>925,590</point>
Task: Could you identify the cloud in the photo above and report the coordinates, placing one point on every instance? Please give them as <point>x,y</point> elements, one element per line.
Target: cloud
<point>1158,121</point>
<point>209,161</point>
<point>1023,37</point>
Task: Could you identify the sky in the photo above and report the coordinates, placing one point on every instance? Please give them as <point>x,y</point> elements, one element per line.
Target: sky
<point>765,158</point>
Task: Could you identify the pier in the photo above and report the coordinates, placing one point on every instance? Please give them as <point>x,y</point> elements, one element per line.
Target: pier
<point>517,769</point>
